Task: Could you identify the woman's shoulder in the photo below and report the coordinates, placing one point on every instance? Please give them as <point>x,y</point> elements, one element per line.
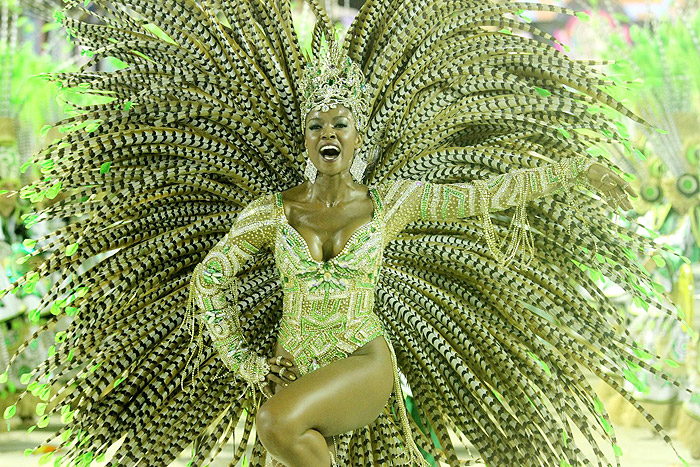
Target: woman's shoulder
<point>295,194</point>
<point>396,189</point>
<point>261,206</point>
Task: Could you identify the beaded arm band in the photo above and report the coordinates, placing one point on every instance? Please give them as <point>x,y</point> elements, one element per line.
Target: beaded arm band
<point>223,325</point>
<point>511,190</point>
<point>516,189</point>
<point>218,310</point>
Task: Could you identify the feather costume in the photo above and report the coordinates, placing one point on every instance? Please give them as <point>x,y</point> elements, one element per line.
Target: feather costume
<point>205,118</point>
<point>664,57</point>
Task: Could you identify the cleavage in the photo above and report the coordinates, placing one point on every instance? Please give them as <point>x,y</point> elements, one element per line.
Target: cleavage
<point>317,243</point>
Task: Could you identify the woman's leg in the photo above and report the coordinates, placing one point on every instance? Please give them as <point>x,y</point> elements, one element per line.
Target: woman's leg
<point>342,396</point>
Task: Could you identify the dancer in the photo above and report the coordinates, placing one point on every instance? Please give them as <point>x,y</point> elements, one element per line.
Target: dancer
<point>191,184</point>
<point>328,328</point>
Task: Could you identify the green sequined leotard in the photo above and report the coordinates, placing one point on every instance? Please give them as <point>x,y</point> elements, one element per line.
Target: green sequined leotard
<point>328,309</point>
<point>328,304</point>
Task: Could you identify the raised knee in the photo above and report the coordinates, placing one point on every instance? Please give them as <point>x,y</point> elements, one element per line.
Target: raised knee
<point>276,427</point>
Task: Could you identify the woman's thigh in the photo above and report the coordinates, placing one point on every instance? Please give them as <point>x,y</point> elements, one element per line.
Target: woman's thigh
<point>342,396</point>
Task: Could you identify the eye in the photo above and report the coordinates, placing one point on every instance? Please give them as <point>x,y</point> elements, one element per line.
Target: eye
<point>341,125</point>
<point>314,126</point>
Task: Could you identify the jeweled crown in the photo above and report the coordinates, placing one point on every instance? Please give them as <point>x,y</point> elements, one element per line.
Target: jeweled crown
<point>331,80</point>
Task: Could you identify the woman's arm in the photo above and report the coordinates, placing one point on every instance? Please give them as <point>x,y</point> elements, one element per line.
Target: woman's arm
<point>252,230</point>
<point>513,189</point>
<point>415,200</point>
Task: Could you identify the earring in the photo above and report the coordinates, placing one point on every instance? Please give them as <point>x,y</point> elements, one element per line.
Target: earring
<point>310,171</point>
<point>357,169</point>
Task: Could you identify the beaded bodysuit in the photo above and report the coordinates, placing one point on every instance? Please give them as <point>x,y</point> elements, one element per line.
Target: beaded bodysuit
<point>328,309</point>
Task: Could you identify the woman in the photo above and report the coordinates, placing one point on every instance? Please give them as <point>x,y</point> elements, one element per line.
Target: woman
<point>327,235</point>
<point>201,145</point>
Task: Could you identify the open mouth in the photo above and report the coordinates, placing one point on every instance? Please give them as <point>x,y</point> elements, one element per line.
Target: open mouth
<point>330,153</point>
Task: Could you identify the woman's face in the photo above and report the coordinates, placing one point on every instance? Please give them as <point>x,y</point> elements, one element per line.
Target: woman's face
<point>331,139</point>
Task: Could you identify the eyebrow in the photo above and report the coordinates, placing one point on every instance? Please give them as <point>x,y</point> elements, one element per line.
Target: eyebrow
<point>334,118</point>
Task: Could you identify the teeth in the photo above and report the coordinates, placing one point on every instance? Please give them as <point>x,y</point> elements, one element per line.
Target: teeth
<point>330,152</point>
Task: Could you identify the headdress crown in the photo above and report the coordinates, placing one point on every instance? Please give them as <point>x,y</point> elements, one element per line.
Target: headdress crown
<point>331,80</point>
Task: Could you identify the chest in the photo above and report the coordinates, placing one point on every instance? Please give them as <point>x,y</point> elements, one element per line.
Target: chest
<point>347,256</point>
<point>325,233</point>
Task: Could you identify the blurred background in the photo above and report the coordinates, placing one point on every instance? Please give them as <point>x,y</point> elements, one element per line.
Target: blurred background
<point>651,48</point>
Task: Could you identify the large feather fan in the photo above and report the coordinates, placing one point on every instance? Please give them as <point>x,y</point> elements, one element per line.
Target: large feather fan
<point>205,117</point>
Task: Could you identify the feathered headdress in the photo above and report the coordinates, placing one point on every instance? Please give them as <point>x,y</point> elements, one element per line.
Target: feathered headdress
<point>333,79</point>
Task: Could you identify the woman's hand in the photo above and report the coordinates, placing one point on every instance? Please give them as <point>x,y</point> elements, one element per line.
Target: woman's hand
<point>282,372</point>
<point>611,186</point>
